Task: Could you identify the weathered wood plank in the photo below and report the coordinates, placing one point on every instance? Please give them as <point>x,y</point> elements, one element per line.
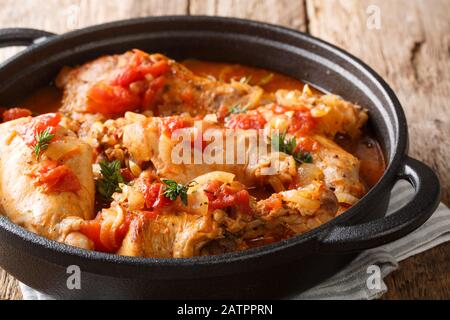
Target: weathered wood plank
<point>9,287</point>
<point>68,15</point>
<point>425,276</point>
<point>283,12</point>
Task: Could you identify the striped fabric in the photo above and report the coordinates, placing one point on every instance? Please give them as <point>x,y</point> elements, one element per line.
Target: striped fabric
<point>351,283</point>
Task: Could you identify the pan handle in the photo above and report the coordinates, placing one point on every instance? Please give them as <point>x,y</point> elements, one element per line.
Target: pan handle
<point>21,36</point>
<point>395,226</point>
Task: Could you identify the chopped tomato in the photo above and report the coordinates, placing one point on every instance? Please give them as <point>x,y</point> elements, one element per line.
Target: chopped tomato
<point>126,76</point>
<point>47,120</point>
<point>135,72</point>
<point>302,123</point>
<point>221,196</point>
<point>307,144</point>
<point>154,196</point>
<point>246,121</point>
<point>93,229</point>
<point>172,124</point>
<point>151,93</point>
<point>198,142</point>
<point>53,177</point>
<point>16,113</point>
<point>122,230</point>
<point>156,70</point>
<point>273,203</point>
<point>213,187</point>
<point>127,174</point>
<point>134,86</point>
<point>107,99</point>
<point>38,125</point>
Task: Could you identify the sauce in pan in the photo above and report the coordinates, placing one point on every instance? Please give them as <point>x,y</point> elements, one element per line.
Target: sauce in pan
<point>367,149</point>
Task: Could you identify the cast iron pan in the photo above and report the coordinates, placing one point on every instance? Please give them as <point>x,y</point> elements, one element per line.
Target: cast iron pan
<point>275,271</point>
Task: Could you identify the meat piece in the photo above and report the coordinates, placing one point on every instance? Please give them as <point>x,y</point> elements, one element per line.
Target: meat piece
<point>296,112</point>
<point>146,140</point>
<point>175,230</point>
<point>122,84</point>
<point>340,169</point>
<point>295,211</point>
<point>177,235</point>
<point>24,200</point>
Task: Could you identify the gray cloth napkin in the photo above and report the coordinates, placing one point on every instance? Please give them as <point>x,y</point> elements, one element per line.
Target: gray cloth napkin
<point>351,282</point>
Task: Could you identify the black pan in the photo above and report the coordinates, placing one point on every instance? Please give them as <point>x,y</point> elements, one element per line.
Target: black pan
<point>274,271</point>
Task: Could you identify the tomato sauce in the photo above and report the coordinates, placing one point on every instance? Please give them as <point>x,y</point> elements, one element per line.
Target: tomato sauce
<point>368,151</point>
<point>269,81</point>
<point>44,100</point>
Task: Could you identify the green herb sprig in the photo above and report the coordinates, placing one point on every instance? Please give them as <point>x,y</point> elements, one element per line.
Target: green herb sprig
<point>43,140</point>
<point>110,181</point>
<point>238,109</point>
<point>289,146</point>
<point>173,190</point>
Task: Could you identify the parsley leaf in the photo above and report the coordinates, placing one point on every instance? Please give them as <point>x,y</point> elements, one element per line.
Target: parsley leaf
<point>289,146</point>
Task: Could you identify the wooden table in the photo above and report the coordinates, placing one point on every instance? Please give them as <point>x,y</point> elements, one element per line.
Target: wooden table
<point>409,45</point>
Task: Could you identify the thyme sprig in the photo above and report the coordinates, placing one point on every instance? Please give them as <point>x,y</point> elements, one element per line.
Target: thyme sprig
<point>281,143</point>
<point>43,140</point>
<point>173,190</point>
<point>110,181</point>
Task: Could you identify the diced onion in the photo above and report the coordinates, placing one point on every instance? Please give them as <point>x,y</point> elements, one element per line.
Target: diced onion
<point>198,202</point>
<point>221,176</point>
<point>307,173</point>
<point>276,184</point>
<point>320,111</point>
<point>136,200</point>
<point>296,197</point>
<point>279,123</point>
<point>134,117</point>
<point>211,118</point>
<point>346,198</point>
<point>134,168</point>
<point>59,149</point>
<point>307,90</point>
